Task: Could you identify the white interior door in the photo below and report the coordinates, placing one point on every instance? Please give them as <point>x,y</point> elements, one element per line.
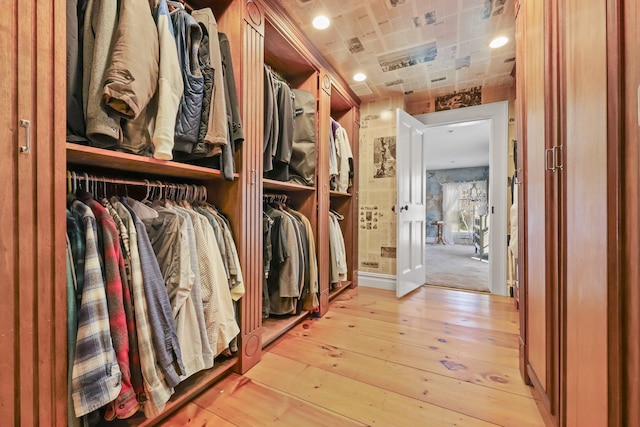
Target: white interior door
<point>410,207</point>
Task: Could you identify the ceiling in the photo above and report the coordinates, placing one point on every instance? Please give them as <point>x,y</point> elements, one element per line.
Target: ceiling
<point>458,145</point>
<point>416,47</point>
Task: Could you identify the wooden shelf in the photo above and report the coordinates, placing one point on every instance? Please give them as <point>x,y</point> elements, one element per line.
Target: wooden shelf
<point>185,392</point>
<point>272,184</point>
<point>97,157</point>
<point>339,195</point>
<point>337,291</point>
<point>275,327</point>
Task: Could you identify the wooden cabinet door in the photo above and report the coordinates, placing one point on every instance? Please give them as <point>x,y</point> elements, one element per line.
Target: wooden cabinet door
<point>587,217</point>
<point>8,210</point>
<point>538,98</point>
<point>32,252</point>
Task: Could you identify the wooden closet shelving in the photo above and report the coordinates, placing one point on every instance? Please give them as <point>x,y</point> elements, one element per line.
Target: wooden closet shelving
<point>185,392</point>
<point>33,387</point>
<point>337,291</point>
<point>108,159</point>
<point>338,194</point>
<point>280,186</point>
<point>275,327</point>
<point>345,111</point>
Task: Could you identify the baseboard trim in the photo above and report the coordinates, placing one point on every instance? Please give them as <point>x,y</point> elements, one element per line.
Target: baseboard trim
<point>377,280</point>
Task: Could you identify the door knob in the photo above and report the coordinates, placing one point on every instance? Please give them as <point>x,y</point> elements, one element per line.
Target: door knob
<point>405,207</point>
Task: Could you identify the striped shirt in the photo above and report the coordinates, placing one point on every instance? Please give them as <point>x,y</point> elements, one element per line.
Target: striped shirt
<point>157,391</point>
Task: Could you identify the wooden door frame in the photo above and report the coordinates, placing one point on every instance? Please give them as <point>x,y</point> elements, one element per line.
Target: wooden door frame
<point>625,16</point>
<point>621,245</point>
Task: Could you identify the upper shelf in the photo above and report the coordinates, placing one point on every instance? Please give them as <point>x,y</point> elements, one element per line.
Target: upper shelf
<point>272,184</point>
<point>339,195</point>
<point>109,159</point>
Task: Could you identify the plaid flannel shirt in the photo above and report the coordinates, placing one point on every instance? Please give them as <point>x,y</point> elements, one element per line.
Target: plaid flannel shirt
<point>95,375</point>
<point>126,404</point>
<point>127,279</point>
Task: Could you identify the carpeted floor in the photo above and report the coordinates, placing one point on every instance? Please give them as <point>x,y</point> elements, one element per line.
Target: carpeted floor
<point>453,267</point>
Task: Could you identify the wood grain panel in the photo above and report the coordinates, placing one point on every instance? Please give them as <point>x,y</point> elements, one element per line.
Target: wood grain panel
<point>521,126</point>
<point>322,193</point>
<point>586,195</point>
<point>27,392</point>
<point>616,288</point>
<point>9,137</point>
<point>59,220</point>
<point>630,292</point>
<point>535,141</point>
<point>251,237</point>
<point>48,201</point>
<point>355,149</point>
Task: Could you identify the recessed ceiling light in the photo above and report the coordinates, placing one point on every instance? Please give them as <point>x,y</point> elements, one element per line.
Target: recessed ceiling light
<point>359,77</point>
<point>498,42</point>
<point>321,22</point>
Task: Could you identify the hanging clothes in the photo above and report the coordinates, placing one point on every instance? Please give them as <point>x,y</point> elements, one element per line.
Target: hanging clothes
<point>188,36</point>
<point>344,157</point>
<point>163,108</point>
<point>103,127</point>
<point>109,242</point>
<point>291,276</point>
<point>340,158</point>
<point>303,155</point>
<point>156,392</point>
<point>163,330</point>
<point>214,122</point>
<point>170,236</point>
<point>96,373</point>
<point>337,253</point>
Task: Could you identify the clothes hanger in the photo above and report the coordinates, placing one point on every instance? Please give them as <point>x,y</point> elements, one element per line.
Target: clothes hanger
<point>177,6</point>
<point>148,193</point>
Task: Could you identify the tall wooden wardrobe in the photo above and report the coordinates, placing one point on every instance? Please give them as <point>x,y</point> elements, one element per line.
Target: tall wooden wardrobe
<point>33,375</point>
<point>577,84</point>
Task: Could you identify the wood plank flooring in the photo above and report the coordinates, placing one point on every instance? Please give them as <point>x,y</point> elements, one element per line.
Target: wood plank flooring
<point>437,357</point>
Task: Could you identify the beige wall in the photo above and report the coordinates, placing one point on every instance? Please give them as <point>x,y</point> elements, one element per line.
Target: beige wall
<point>376,195</point>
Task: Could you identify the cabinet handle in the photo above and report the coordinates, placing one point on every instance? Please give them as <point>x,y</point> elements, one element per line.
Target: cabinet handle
<point>557,154</point>
<point>253,176</point>
<point>548,151</point>
<point>26,124</point>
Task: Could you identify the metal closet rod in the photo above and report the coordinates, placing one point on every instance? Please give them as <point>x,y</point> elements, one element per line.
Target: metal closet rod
<point>82,176</point>
<point>191,191</point>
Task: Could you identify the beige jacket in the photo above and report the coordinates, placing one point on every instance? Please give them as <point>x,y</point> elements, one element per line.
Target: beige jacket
<point>170,87</point>
<point>132,76</point>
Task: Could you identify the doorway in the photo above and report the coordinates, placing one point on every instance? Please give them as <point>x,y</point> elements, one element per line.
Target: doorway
<point>457,227</point>
<point>496,115</point>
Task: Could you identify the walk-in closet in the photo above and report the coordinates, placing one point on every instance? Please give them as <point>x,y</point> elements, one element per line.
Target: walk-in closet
<point>213,183</point>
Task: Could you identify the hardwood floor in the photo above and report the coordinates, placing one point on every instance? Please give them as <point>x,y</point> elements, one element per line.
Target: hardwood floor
<point>437,357</point>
